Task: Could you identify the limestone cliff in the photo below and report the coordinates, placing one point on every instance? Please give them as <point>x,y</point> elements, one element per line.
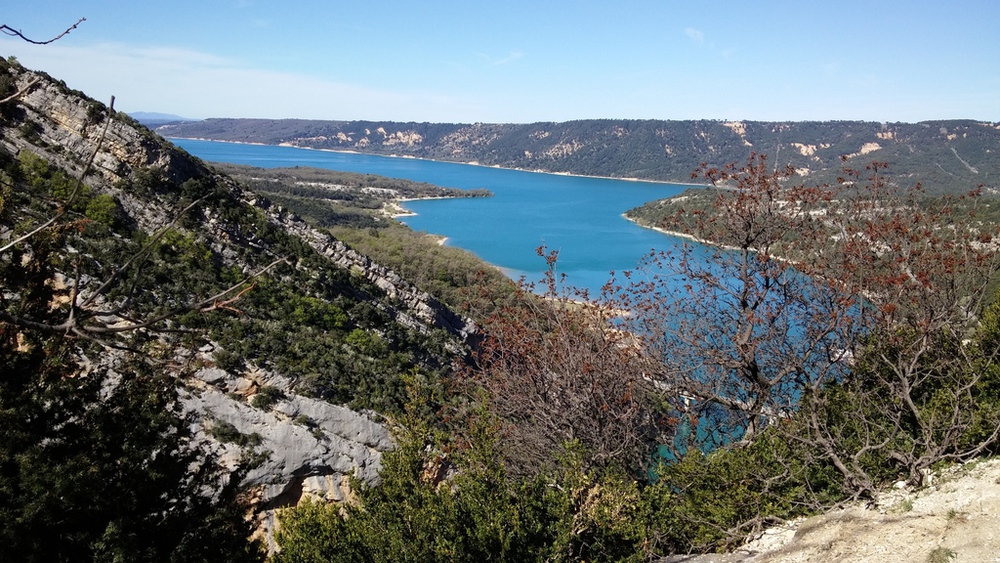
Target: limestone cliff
<point>66,127</point>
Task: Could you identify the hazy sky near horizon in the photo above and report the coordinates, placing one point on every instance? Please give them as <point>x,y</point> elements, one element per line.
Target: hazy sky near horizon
<point>525,61</point>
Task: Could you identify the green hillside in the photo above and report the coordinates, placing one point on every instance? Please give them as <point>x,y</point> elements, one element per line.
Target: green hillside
<point>947,156</point>
<point>130,267</point>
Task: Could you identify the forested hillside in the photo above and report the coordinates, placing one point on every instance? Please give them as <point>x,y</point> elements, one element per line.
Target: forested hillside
<point>947,156</point>
<point>166,333</point>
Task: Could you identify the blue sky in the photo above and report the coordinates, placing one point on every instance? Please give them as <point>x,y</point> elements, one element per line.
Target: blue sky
<point>525,61</point>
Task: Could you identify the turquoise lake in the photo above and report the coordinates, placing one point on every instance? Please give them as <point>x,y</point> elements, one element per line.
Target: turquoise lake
<point>580,217</point>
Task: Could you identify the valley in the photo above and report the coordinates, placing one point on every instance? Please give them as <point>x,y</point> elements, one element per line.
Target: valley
<point>233,363</point>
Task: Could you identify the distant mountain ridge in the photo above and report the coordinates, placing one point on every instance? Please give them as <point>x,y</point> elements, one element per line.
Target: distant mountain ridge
<point>946,156</point>
<point>155,119</point>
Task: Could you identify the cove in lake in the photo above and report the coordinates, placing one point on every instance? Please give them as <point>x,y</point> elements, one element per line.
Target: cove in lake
<point>581,217</point>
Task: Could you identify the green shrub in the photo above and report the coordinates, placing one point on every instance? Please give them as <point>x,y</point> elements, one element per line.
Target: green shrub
<point>462,506</point>
<point>266,397</point>
<point>228,361</point>
<point>226,433</point>
<point>712,501</point>
<point>95,111</point>
<point>941,555</point>
<point>365,342</point>
<point>103,209</point>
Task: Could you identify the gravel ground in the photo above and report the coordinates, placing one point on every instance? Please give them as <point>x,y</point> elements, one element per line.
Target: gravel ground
<point>956,518</point>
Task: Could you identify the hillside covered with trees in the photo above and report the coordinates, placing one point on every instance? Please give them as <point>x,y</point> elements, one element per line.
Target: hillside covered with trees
<point>169,339</point>
<point>173,337</point>
<point>947,156</point>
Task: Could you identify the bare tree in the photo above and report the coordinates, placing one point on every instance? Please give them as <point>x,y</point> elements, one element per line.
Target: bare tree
<point>849,309</point>
<point>920,378</point>
<point>740,331</point>
<point>555,371</point>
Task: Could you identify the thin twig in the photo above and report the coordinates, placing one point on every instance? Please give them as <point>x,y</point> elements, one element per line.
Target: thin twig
<point>203,305</point>
<point>140,254</point>
<point>8,30</point>
<point>74,327</point>
<point>225,304</point>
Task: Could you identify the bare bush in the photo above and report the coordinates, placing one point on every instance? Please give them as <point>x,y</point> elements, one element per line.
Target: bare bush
<point>557,371</point>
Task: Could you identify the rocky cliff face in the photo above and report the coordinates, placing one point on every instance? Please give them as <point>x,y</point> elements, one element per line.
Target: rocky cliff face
<point>305,447</point>
<point>66,127</point>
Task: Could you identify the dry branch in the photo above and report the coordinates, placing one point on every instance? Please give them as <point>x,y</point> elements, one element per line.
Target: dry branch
<point>6,29</point>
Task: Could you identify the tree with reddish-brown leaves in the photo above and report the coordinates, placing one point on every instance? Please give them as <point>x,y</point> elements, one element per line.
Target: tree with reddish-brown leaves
<point>739,330</point>
<point>859,296</point>
<point>556,371</point>
<point>924,373</point>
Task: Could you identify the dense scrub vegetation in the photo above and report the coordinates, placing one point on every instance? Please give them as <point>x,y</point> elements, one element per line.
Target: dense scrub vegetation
<point>105,294</point>
<point>319,324</point>
<point>453,275</point>
<point>356,208</point>
<point>333,332</point>
<point>454,496</point>
<point>328,198</point>
<point>97,460</point>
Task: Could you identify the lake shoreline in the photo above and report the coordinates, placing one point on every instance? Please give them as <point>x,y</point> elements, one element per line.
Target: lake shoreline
<point>468,163</point>
<point>704,242</point>
<point>677,234</point>
<point>575,215</point>
<point>397,208</point>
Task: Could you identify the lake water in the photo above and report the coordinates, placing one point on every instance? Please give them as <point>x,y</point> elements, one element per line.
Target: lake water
<point>578,216</point>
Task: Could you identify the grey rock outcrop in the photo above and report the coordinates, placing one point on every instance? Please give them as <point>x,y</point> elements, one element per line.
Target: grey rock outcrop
<point>62,118</point>
<point>302,447</point>
<point>299,437</point>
